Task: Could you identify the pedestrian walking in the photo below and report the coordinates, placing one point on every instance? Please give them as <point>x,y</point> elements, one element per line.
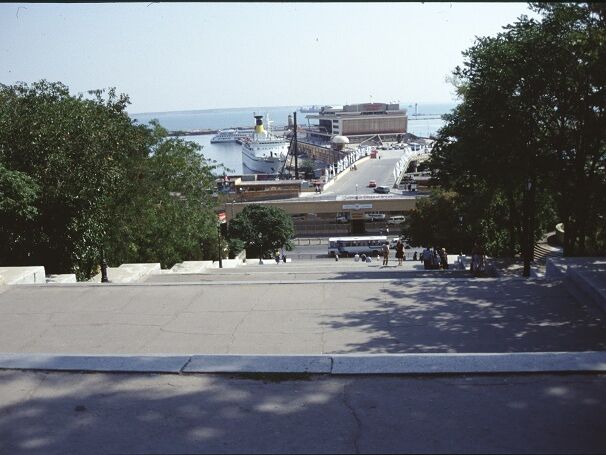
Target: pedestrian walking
<point>443,258</point>
<point>283,251</point>
<point>400,252</point>
<point>436,259</point>
<point>427,258</point>
<point>385,253</point>
<point>415,257</point>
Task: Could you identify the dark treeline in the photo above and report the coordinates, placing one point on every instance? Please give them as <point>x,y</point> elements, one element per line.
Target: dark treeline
<point>526,146</point>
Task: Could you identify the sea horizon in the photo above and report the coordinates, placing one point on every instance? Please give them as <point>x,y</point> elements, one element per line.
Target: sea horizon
<point>217,109</point>
<point>230,154</point>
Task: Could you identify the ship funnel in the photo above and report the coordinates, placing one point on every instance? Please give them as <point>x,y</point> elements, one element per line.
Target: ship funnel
<point>259,124</point>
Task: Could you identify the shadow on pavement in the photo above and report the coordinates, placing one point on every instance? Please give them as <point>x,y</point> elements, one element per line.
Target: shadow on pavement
<point>473,315</point>
<point>53,413</point>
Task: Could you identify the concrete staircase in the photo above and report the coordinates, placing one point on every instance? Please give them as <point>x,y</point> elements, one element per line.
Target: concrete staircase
<point>543,251</point>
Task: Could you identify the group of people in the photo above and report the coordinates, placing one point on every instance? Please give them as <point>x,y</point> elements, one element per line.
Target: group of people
<point>399,252</point>
<point>362,257</point>
<point>400,256</point>
<point>280,254</point>
<point>434,258</point>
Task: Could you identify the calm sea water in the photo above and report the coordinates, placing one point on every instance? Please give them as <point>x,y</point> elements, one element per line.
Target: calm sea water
<point>229,154</point>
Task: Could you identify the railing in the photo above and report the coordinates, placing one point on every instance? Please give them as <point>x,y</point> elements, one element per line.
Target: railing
<point>541,253</point>
<point>346,162</point>
<point>409,155</point>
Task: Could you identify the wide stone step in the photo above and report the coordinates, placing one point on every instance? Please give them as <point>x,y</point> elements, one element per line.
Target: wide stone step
<point>426,315</point>
<point>307,274</point>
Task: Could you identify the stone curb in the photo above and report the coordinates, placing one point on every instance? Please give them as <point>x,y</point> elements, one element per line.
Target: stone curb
<point>342,364</point>
<point>259,364</point>
<point>106,363</point>
<point>516,362</point>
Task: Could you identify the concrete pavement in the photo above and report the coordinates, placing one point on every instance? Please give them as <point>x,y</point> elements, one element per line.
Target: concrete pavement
<point>339,319</point>
<point>426,315</point>
<point>58,413</point>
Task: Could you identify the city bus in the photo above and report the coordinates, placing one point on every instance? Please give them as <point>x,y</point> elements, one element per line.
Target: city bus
<point>346,246</point>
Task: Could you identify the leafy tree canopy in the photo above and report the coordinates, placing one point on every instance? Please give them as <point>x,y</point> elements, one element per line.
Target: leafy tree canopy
<point>78,176</point>
<point>527,143</point>
<point>260,226</point>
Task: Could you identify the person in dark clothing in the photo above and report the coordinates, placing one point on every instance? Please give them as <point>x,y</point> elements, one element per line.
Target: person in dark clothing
<point>400,252</point>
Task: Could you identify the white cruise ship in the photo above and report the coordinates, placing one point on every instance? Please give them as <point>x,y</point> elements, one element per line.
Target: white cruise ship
<point>264,153</point>
<point>230,136</point>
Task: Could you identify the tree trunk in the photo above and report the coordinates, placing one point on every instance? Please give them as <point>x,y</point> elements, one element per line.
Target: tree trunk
<point>512,223</point>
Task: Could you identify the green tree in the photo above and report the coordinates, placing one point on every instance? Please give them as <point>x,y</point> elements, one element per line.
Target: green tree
<point>524,144</point>
<point>74,150</point>
<point>78,177</point>
<point>262,228</point>
<point>165,212</point>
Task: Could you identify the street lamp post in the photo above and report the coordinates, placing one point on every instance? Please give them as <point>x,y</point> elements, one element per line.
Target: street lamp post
<point>529,226</point>
<point>219,246</point>
<point>460,236</point>
<point>356,191</point>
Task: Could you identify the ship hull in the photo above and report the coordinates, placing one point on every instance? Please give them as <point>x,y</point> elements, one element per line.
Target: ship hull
<point>264,153</point>
<point>260,164</point>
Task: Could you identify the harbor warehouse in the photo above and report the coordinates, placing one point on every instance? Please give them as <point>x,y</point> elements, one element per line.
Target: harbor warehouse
<point>360,121</point>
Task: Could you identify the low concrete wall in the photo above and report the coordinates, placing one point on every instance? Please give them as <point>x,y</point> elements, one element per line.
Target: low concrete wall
<point>592,283</point>
<point>585,277</point>
<point>62,278</point>
<point>128,273</point>
<point>22,275</point>
<point>557,267</point>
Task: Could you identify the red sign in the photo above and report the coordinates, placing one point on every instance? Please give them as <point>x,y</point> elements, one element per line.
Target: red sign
<point>222,217</point>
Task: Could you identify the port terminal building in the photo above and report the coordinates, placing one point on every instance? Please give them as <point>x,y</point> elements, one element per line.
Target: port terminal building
<point>358,122</point>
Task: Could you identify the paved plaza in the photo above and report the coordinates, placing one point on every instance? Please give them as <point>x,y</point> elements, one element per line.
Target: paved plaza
<point>328,314</point>
<point>411,315</point>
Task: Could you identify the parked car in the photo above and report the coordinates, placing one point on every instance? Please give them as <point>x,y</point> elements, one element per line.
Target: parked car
<point>372,184</point>
<point>382,189</point>
<point>397,219</point>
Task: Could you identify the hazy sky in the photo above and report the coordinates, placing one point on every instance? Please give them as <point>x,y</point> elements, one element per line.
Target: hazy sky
<point>178,56</point>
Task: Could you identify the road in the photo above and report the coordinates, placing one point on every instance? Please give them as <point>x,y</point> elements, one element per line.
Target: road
<point>379,170</point>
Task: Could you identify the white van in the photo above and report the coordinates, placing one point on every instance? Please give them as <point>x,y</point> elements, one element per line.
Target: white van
<point>397,219</point>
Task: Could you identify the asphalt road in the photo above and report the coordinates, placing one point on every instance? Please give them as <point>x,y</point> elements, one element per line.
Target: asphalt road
<point>380,170</point>
<point>58,413</point>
